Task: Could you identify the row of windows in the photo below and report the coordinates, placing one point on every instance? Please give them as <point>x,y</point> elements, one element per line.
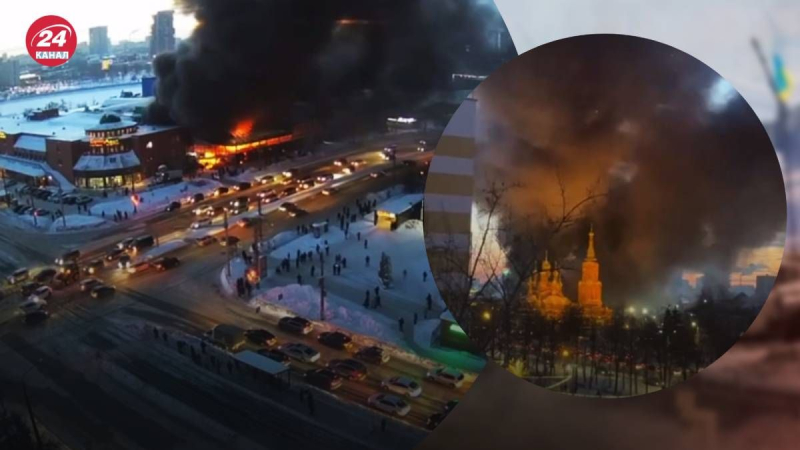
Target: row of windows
<point>111,133</point>
<point>107,150</point>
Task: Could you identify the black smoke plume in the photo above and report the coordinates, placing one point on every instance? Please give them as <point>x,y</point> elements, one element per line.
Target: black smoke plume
<point>691,175</point>
<point>256,59</point>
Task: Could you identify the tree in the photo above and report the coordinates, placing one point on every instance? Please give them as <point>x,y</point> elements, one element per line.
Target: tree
<point>385,270</point>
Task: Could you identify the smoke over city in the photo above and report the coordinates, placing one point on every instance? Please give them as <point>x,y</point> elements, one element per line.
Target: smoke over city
<point>690,174</point>
<point>256,59</point>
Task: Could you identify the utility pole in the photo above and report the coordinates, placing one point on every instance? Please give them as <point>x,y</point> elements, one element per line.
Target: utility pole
<point>6,197</point>
<point>30,413</point>
<point>322,298</point>
<point>61,201</point>
<point>227,241</point>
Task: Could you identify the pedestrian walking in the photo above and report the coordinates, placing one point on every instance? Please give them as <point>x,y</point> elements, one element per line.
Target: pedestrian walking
<point>429,300</point>
<point>366,243</point>
<point>313,269</point>
<point>424,276</point>
<point>401,322</point>
<point>377,301</point>
<point>344,263</point>
<point>405,274</point>
<point>358,235</point>
<point>327,251</point>
<point>258,309</point>
<point>377,289</point>
<point>367,260</point>
<point>299,279</point>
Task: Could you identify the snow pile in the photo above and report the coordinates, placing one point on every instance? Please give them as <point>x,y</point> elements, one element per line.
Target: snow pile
<point>77,222</point>
<point>156,199</point>
<point>305,301</point>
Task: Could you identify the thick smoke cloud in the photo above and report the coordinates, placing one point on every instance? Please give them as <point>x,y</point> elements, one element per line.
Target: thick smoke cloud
<point>256,59</point>
<point>691,175</point>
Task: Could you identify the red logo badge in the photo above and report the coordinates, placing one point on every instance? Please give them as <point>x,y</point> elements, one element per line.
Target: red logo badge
<point>51,41</point>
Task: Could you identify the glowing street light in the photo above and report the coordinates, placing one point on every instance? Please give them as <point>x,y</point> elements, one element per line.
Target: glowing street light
<point>487,316</point>
<point>644,311</point>
<point>632,310</point>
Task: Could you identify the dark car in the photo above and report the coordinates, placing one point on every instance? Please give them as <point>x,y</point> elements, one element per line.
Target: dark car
<point>36,317</point>
<point>275,355</point>
<point>222,190</point>
<point>230,241</point>
<point>335,339</point>
<point>142,242</point>
<point>244,186</point>
<point>373,355</point>
<point>296,325</point>
<point>93,266</point>
<point>261,337</point>
<point>434,420</point>
<point>324,379</point>
<point>198,198</point>
<point>166,263</point>
<point>45,275</point>
<point>103,291</point>
<point>29,287</point>
<point>349,368</point>
<point>114,253</point>
<point>298,212</point>
<point>174,206</point>
<point>68,257</point>
<point>288,191</point>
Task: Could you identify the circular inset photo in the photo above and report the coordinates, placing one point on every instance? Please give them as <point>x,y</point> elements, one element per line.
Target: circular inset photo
<point>605,216</point>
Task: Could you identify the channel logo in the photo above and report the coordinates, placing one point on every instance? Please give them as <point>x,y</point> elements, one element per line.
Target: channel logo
<point>51,41</point>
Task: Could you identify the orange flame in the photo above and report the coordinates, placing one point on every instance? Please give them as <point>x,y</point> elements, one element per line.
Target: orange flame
<point>243,129</point>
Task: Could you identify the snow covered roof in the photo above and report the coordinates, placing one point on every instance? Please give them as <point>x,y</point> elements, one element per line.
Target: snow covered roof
<point>67,127</point>
<point>400,204</point>
<point>23,166</point>
<point>112,125</point>
<point>32,143</point>
<point>114,161</point>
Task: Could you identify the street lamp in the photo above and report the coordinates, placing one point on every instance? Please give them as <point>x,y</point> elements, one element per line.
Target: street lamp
<point>631,310</point>
<point>487,316</point>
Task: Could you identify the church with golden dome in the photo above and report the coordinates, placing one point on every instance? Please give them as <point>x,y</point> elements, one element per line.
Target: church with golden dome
<point>545,289</point>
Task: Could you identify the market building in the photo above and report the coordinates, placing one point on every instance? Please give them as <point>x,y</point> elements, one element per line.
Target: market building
<point>76,150</point>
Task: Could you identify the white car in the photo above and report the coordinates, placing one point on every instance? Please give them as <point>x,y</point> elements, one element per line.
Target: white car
<point>300,352</point>
<point>447,377</point>
<point>33,304</point>
<point>43,293</point>
<point>390,404</point>
<point>203,210</point>
<point>403,386</point>
<point>18,276</point>
<point>196,225</point>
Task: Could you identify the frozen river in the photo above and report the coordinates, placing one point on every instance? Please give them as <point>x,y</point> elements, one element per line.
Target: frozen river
<point>90,96</point>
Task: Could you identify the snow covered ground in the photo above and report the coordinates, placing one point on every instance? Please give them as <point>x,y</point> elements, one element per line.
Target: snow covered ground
<point>75,222</point>
<point>155,200</point>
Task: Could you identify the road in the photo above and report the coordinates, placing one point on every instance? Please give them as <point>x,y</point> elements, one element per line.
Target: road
<point>187,300</point>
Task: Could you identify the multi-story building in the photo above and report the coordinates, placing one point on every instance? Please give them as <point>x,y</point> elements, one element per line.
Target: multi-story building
<point>162,35</point>
<point>99,44</point>
<point>77,150</point>
<point>9,72</point>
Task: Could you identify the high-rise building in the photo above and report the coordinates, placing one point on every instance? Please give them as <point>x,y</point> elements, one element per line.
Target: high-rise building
<point>162,35</point>
<point>9,72</point>
<point>99,44</point>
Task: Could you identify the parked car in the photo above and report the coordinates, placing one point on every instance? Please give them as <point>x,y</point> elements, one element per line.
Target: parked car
<point>349,368</point>
<point>138,267</point>
<point>324,379</point>
<point>36,317</point>
<point>205,240</point>
<point>261,337</point>
<point>275,355</point>
<point>380,174</point>
<point>166,263</point>
<point>373,355</point>
<point>230,241</point>
<point>69,199</point>
<point>90,283</point>
<point>45,275</point>
<point>18,276</point>
<point>103,291</point>
<point>94,266</point>
<point>300,352</point>
<point>297,325</point>
<point>403,386</point>
<point>174,206</point>
<point>83,200</point>
<point>33,304</point>
<point>335,339</point>
<point>29,288</point>
<point>434,420</point>
<point>42,292</point>
<point>447,377</point>
<point>390,404</point>
<point>64,279</point>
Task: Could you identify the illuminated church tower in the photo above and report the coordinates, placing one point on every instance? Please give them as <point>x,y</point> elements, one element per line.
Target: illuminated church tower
<point>545,291</point>
<point>590,288</point>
